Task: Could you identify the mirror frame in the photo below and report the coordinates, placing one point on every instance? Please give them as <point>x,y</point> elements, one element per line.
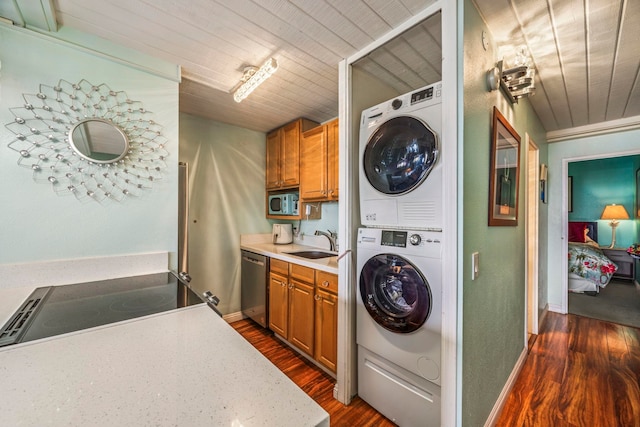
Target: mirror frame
<point>75,148</point>
<point>503,191</point>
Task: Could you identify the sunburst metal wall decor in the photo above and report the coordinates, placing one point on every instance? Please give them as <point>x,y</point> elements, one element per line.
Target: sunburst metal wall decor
<point>43,130</point>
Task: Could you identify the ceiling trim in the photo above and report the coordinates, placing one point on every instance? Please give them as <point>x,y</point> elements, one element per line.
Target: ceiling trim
<point>602,128</point>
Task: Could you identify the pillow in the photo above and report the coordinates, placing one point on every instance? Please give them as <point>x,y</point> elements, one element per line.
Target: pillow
<point>577,231</point>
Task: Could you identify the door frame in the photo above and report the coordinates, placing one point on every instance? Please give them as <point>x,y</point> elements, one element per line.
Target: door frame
<point>532,249</point>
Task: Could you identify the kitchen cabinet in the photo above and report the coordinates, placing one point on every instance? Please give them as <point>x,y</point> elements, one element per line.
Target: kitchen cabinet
<point>301,307</point>
<point>319,163</point>
<point>326,320</point>
<point>303,310</point>
<point>283,155</point>
<point>279,297</point>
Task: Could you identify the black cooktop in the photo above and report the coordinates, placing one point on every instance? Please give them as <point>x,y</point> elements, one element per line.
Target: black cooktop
<point>56,310</point>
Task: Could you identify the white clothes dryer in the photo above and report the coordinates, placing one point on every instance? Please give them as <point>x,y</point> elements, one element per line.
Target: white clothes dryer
<point>400,171</point>
<point>399,322</point>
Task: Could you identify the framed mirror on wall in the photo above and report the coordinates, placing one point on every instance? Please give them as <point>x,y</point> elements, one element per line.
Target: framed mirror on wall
<point>504,172</point>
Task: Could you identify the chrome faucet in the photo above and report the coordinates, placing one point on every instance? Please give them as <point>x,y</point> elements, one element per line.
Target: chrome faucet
<point>331,236</point>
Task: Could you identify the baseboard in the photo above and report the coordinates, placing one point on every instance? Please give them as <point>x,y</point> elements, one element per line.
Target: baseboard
<point>233,317</point>
<point>556,308</point>
<point>497,407</point>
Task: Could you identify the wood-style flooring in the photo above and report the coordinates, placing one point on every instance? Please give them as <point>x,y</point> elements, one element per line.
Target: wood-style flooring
<point>580,372</point>
<point>312,380</point>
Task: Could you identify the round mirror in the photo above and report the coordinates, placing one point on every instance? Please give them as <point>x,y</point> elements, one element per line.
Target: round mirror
<point>99,141</point>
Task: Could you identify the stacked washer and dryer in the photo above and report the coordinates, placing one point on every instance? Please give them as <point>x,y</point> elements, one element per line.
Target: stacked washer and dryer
<point>399,262</point>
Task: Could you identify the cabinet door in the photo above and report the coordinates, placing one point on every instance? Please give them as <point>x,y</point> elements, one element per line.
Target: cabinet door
<point>313,185</point>
<point>332,160</point>
<point>272,178</point>
<point>301,318</point>
<point>290,155</point>
<point>326,337</point>
<point>278,304</point>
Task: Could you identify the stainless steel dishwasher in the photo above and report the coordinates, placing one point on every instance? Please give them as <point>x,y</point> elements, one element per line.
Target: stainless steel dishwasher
<point>253,279</point>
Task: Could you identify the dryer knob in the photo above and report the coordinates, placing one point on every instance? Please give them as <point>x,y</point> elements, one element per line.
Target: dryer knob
<point>396,103</point>
<point>415,239</point>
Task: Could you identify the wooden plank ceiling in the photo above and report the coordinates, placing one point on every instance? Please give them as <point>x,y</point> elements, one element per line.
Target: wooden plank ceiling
<point>214,40</point>
<point>585,52</point>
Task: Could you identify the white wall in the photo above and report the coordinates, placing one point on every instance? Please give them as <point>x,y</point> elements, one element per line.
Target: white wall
<point>37,224</point>
<point>559,154</point>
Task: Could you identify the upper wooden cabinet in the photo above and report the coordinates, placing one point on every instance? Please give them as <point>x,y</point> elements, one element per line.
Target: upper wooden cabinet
<point>283,154</point>
<point>319,163</point>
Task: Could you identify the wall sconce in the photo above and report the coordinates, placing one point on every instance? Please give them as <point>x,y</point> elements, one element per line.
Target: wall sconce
<point>614,213</point>
<point>253,77</point>
<point>516,82</point>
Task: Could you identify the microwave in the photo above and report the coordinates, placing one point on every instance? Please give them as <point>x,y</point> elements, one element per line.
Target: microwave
<point>283,204</point>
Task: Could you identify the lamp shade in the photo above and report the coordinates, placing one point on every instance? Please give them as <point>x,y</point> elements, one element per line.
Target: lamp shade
<point>614,212</point>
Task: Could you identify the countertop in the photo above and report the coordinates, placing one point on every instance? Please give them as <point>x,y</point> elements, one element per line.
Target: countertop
<point>186,367</point>
<point>261,244</point>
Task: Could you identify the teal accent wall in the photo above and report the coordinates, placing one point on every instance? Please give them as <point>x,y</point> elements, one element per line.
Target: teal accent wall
<point>37,224</point>
<point>493,305</point>
<point>601,182</point>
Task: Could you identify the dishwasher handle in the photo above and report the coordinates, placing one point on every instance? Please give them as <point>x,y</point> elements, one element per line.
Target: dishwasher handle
<point>253,260</point>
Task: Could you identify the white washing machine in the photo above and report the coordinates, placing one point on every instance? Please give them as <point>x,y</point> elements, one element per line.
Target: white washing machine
<point>400,168</point>
<point>399,322</point>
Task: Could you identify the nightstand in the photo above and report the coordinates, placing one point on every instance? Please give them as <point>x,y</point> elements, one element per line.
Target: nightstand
<point>626,264</point>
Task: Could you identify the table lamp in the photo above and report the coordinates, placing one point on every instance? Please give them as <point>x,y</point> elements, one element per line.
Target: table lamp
<point>614,213</point>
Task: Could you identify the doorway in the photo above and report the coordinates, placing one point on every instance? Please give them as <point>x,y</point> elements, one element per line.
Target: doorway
<point>532,246</point>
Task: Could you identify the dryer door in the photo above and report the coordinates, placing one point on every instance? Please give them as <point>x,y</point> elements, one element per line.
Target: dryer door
<point>395,293</point>
<point>399,155</point>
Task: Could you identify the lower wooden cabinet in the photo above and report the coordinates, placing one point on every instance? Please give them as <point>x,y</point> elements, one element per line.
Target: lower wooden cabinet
<point>303,309</point>
<point>301,305</point>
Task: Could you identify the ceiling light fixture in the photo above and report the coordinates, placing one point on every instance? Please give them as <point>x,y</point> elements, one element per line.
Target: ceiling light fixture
<point>253,77</point>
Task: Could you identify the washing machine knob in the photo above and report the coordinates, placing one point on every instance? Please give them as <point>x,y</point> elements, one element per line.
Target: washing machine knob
<point>415,239</point>
<point>396,103</point>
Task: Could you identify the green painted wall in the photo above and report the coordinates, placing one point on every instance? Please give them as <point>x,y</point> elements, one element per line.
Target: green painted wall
<point>226,192</point>
<point>37,224</point>
<point>493,305</point>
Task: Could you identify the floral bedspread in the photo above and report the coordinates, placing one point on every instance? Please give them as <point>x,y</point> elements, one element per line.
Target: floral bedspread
<point>590,263</point>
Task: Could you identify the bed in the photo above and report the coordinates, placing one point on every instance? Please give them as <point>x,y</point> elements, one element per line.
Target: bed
<point>589,269</point>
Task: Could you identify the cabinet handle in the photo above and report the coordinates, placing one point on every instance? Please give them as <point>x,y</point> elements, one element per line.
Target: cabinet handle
<point>290,285</point>
<point>325,284</point>
<point>317,297</point>
<point>283,284</point>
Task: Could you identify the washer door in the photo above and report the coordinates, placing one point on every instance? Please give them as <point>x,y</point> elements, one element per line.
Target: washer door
<point>396,295</point>
<point>399,155</point>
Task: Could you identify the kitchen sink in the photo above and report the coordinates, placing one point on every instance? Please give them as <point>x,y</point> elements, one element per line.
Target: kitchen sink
<point>312,254</point>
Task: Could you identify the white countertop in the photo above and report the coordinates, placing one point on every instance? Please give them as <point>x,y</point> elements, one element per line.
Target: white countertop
<point>261,245</point>
<point>185,367</point>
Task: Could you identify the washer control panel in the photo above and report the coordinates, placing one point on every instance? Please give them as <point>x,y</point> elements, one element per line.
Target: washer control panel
<point>420,242</point>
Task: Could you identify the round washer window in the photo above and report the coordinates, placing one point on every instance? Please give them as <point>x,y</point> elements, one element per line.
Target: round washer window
<point>400,155</point>
<point>395,293</point>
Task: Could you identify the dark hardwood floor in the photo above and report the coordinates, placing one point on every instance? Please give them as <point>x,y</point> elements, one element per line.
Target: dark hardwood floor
<point>580,372</point>
<point>317,384</point>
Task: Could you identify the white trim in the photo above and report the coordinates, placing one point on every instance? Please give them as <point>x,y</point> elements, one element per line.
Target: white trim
<point>610,126</point>
<point>497,407</point>
<point>346,369</point>
<point>555,308</point>
<point>532,221</point>
<point>452,260</point>
<point>233,317</point>
<point>564,304</point>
